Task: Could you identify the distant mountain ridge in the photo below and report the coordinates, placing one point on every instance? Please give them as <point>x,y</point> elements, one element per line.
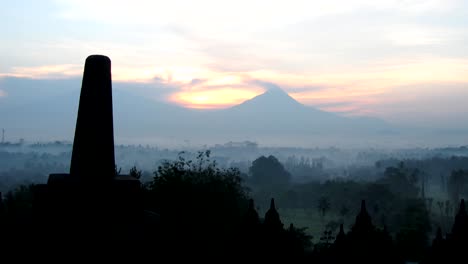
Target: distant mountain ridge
<point>47,108</point>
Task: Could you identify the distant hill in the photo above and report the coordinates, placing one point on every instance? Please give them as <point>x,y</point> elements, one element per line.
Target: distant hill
<point>46,109</point>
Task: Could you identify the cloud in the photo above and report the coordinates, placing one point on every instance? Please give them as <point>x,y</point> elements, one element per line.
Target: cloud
<point>199,87</point>
<point>45,71</point>
<point>424,104</point>
<point>156,90</point>
<point>197,81</point>
<point>220,91</point>
<point>253,12</point>
<point>214,98</point>
<point>419,35</point>
<point>267,85</point>
<point>440,104</point>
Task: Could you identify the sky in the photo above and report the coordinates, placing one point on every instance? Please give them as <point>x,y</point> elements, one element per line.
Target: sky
<point>405,61</point>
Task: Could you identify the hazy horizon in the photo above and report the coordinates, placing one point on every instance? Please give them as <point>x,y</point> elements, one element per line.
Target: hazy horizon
<point>402,63</point>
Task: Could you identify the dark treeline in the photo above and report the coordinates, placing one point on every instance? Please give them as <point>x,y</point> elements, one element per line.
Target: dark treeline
<point>23,163</point>
<point>196,206</point>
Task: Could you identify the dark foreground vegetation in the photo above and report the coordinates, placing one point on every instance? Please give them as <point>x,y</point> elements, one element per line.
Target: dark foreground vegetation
<point>194,207</point>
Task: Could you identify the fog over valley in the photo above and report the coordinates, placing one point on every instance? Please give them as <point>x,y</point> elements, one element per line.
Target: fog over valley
<point>272,118</point>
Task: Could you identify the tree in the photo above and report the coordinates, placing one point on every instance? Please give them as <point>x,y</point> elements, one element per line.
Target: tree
<point>134,172</point>
<point>323,206</point>
<point>301,235</point>
<point>326,240</point>
<point>343,212</point>
<point>457,185</point>
<point>402,180</point>
<point>429,204</point>
<point>117,170</point>
<point>412,237</point>
<point>199,203</point>
<point>269,172</point>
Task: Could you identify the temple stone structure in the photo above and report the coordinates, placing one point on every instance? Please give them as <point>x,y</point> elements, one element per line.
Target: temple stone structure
<point>91,201</point>
<point>93,147</point>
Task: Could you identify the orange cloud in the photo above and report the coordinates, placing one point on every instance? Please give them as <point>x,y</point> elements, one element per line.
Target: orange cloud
<point>360,87</point>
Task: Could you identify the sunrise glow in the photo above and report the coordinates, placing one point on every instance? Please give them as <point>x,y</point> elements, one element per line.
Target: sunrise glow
<point>219,98</point>
<point>201,55</point>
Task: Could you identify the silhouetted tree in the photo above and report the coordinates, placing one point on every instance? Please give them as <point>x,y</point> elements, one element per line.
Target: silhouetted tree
<point>412,237</point>
<point>327,238</point>
<point>199,203</point>
<point>440,204</point>
<point>429,204</point>
<point>343,212</point>
<point>2,214</point>
<point>323,205</point>
<point>18,216</point>
<point>300,236</point>
<point>458,185</point>
<point>134,172</point>
<point>117,170</point>
<point>448,209</point>
<point>269,173</point>
<point>401,180</point>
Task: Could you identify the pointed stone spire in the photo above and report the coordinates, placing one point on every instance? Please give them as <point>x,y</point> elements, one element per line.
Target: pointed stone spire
<point>93,146</point>
<point>272,219</point>
<point>251,204</point>
<point>341,235</point>
<point>251,219</point>
<point>363,220</point>
<point>460,225</point>
<point>438,244</point>
<point>272,204</point>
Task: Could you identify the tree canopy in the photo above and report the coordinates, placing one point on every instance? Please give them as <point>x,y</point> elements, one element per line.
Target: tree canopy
<point>269,172</point>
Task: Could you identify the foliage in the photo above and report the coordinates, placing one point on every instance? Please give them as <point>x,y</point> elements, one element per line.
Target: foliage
<point>344,211</point>
<point>117,170</point>
<point>269,172</point>
<point>134,172</point>
<point>414,227</point>
<point>326,239</point>
<point>305,169</point>
<point>18,206</point>
<point>197,199</point>
<point>301,235</point>
<point>458,185</point>
<point>402,180</point>
<point>323,205</point>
